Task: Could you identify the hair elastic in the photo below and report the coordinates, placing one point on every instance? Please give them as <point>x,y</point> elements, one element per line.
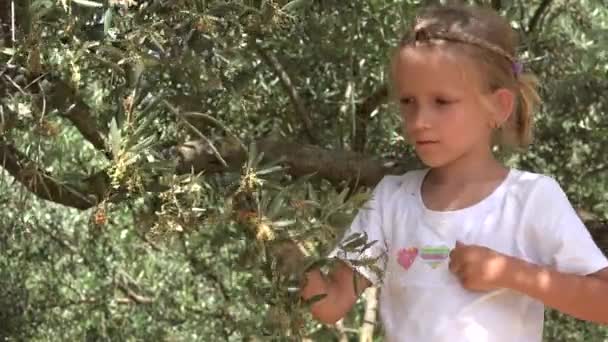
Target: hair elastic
<point>518,68</point>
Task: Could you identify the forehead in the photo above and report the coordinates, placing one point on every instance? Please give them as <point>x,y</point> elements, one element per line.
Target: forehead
<point>430,68</point>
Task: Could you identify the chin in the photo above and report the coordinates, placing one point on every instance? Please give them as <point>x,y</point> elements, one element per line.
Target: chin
<point>433,162</point>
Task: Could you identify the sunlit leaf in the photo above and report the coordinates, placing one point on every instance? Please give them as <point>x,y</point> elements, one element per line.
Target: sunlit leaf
<point>107,20</point>
<point>87,3</point>
<point>295,5</point>
<point>114,138</point>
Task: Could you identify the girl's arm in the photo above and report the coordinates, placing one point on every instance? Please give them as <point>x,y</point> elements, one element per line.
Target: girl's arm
<point>339,289</point>
<point>584,297</point>
<point>482,269</point>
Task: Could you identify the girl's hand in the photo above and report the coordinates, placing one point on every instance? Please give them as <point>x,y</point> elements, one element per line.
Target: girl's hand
<point>479,268</point>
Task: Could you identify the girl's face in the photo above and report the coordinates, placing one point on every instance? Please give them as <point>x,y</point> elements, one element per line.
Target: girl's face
<point>442,105</point>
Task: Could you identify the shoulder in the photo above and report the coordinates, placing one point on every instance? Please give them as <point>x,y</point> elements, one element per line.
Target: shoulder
<point>539,196</point>
<point>529,185</point>
<point>390,184</point>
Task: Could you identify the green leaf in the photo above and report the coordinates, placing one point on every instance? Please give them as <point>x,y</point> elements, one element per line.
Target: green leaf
<point>144,124</point>
<point>296,5</point>
<point>340,219</point>
<point>312,193</point>
<point>353,245</point>
<point>360,198</point>
<point>107,21</point>
<point>342,196</point>
<point>283,223</point>
<point>258,159</point>
<point>275,205</point>
<point>114,138</point>
<point>353,237</point>
<point>144,144</point>
<point>269,170</point>
<point>88,3</point>
<point>253,150</point>
<point>40,8</point>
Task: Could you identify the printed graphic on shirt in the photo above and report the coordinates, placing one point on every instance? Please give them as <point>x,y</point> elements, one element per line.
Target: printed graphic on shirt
<point>434,255</point>
<point>406,257</point>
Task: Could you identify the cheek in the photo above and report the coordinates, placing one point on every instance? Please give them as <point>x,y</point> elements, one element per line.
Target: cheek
<point>471,127</point>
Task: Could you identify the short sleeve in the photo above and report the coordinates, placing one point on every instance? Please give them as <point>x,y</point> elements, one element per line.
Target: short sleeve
<point>363,246</point>
<point>561,236</point>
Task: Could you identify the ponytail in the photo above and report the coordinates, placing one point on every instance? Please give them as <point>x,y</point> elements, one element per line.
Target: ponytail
<point>529,101</point>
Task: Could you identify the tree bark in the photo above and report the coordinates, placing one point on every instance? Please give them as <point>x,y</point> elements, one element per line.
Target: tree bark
<point>362,116</point>
<point>366,333</point>
<point>40,183</point>
<point>538,14</point>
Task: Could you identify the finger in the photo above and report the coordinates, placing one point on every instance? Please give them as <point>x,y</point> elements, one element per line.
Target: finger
<point>454,266</point>
<point>454,253</point>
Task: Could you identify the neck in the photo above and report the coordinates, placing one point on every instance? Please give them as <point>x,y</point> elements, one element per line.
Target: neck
<point>470,168</point>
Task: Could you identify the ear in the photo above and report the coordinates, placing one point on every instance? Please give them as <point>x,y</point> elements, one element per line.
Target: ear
<point>504,104</point>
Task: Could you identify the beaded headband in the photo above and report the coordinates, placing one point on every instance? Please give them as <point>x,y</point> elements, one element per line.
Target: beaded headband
<point>422,34</point>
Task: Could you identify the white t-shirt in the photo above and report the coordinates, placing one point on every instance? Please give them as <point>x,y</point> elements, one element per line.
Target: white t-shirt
<point>528,216</point>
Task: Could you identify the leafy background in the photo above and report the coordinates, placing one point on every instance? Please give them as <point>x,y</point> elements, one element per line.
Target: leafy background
<point>162,159</point>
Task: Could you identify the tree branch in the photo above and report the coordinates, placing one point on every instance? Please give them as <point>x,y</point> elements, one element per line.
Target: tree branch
<point>335,166</point>
<point>289,87</point>
<point>342,335</point>
<point>63,98</point>
<point>38,181</point>
<point>369,317</point>
<point>362,116</point>
<point>544,5</point>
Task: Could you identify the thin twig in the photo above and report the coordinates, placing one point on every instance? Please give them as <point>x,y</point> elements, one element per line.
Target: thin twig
<point>218,124</point>
<point>197,131</point>
<point>13,26</point>
<point>15,84</point>
<point>137,298</point>
<point>43,101</point>
<point>35,80</point>
<point>57,239</point>
<point>288,85</point>
<point>2,120</point>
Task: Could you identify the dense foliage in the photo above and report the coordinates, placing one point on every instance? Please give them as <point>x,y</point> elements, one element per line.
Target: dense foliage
<point>166,163</point>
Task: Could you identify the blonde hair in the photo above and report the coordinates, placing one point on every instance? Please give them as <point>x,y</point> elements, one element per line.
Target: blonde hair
<point>487,38</point>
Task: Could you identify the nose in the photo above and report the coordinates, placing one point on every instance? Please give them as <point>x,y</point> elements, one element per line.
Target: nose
<point>419,119</point>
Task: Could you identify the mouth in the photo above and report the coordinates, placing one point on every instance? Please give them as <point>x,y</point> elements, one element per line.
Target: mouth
<point>426,142</point>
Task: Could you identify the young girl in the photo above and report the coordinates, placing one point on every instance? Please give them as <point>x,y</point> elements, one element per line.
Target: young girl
<point>469,250</point>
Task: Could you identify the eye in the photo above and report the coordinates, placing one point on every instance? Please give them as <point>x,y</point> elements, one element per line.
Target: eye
<point>443,101</point>
<point>406,101</point>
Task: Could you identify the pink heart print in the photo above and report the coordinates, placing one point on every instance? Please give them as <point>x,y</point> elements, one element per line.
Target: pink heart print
<point>406,257</point>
